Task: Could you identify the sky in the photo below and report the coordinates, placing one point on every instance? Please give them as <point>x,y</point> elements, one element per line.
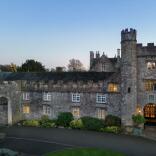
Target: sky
<point>55,31</point>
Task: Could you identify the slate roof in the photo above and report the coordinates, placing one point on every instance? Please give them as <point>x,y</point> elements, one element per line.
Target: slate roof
<point>65,76</point>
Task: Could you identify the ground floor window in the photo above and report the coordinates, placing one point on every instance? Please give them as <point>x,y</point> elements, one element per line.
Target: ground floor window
<point>76,112</point>
<point>46,110</point>
<point>26,109</point>
<point>101,113</point>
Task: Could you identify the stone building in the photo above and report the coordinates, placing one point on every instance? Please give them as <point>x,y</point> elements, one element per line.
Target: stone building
<point>121,86</point>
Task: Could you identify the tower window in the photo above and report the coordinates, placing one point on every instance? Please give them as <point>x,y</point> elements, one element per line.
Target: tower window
<point>112,87</point>
<point>151,65</point>
<point>129,89</point>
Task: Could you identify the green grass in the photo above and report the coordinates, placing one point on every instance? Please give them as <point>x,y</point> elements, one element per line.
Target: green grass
<point>85,152</point>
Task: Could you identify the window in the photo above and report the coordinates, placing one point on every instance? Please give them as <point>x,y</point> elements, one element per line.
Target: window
<point>75,97</point>
<point>103,67</point>
<point>113,87</point>
<point>76,112</point>
<point>150,85</point>
<point>151,98</point>
<point>101,98</point>
<point>151,65</point>
<point>26,96</point>
<point>26,109</point>
<point>46,96</point>
<point>101,113</point>
<point>46,110</point>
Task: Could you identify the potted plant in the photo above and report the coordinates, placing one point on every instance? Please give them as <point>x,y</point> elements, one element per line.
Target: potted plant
<point>138,123</point>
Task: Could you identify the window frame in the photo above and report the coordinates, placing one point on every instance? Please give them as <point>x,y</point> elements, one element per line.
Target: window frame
<point>26,96</point>
<point>46,96</point>
<point>100,113</point>
<point>113,87</point>
<point>101,98</point>
<point>76,97</point>
<point>46,110</point>
<point>77,111</point>
<point>26,109</point>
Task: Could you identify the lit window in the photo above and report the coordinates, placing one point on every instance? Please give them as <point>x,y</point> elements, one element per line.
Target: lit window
<point>26,96</point>
<point>46,96</point>
<point>101,98</point>
<point>151,98</point>
<point>150,85</point>
<point>112,87</point>
<point>101,113</point>
<point>46,110</point>
<point>75,97</point>
<point>26,109</point>
<point>76,112</point>
<point>151,65</point>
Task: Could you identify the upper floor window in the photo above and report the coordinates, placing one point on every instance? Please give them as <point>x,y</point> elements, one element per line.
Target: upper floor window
<point>150,85</point>
<point>26,96</point>
<point>46,96</point>
<point>26,109</point>
<point>46,110</point>
<point>100,98</point>
<point>151,65</point>
<point>75,97</point>
<point>112,87</point>
<point>151,98</point>
<point>76,112</point>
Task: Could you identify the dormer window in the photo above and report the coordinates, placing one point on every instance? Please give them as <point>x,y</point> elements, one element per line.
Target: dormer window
<point>151,65</point>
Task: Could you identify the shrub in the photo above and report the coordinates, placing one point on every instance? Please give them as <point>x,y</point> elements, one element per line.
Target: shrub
<point>111,129</point>
<point>33,123</point>
<point>91,123</point>
<point>46,122</point>
<point>112,120</point>
<point>64,119</point>
<point>77,124</point>
<point>7,152</point>
<point>138,119</point>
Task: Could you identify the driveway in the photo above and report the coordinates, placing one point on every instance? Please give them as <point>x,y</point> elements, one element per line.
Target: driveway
<point>37,141</point>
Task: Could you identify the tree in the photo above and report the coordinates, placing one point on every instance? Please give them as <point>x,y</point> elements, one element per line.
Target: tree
<point>32,66</point>
<point>8,68</point>
<point>75,65</point>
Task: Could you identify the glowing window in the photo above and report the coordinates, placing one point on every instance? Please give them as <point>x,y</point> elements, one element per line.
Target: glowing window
<point>75,97</point>
<point>100,98</point>
<point>26,109</point>
<point>76,112</point>
<point>112,87</point>
<point>101,113</point>
<point>151,65</point>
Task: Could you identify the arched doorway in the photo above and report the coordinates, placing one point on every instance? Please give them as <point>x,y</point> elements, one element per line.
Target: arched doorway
<point>150,113</point>
<point>3,110</point>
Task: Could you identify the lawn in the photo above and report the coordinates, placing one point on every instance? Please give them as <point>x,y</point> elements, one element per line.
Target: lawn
<point>85,152</point>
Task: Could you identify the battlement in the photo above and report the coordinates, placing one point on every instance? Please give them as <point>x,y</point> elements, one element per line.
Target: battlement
<point>128,35</point>
<point>148,46</point>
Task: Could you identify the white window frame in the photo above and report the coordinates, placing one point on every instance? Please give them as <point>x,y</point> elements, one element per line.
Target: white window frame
<point>101,113</point>
<point>101,98</point>
<point>26,96</point>
<point>46,110</point>
<point>151,65</point>
<point>76,97</point>
<point>46,96</point>
<point>149,98</point>
<point>76,112</point>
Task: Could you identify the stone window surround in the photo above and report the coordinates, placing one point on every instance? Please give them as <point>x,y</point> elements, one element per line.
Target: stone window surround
<point>76,97</point>
<point>101,98</point>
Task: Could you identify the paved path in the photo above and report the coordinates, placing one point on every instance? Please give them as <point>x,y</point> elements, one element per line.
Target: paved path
<point>37,141</point>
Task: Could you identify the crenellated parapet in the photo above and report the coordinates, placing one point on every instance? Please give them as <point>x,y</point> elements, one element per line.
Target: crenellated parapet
<point>128,35</point>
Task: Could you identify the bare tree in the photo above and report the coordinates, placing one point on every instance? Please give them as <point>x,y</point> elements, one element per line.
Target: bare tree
<point>75,65</point>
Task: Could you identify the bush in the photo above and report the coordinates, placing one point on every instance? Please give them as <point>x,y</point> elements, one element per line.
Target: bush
<point>138,119</point>
<point>7,152</point>
<point>33,123</point>
<point>112,120</point>
<point>91,123</point>
<point>77,124</point>
<point>46,122</point>
<point>111,129</point>
<point>64,119</point>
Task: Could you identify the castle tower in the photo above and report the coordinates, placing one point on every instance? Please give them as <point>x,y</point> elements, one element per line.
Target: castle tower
<point>128,75</point>
<point>91,58</point>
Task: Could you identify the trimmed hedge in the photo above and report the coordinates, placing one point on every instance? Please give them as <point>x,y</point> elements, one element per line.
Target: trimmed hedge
<point>46,122</point>
<point>64,119</point>
<point>112,120</point>
<point>77,124</point>
<point>111,129</point>
<point>91,123</point>
<point>32,123</point>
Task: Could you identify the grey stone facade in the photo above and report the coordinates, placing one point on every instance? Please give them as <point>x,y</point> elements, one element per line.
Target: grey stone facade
<point>112,86</point>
